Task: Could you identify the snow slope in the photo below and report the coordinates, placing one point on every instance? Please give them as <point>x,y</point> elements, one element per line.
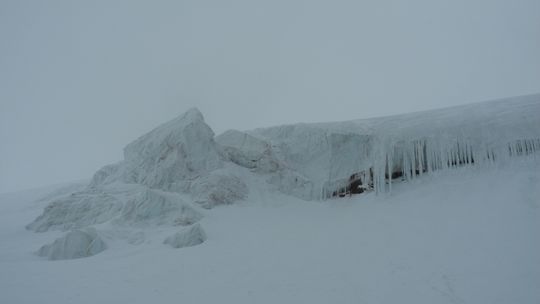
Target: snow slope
<point>467,235</point>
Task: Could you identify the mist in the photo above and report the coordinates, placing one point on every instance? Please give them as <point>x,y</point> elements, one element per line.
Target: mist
<point>79,79</point>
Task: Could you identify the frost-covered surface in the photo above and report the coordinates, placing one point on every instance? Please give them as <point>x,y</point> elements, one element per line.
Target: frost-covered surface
<point>248,151</point>
<point>187,237</point>
<point>75,244</point>
<point>468,235</point>
<point>179,167</point>
<point>122,204</point>
<point>168,157</point>
<point>149,188</point>
<point>76,210</point>
<point>326,154</point>
<point>217,189</point>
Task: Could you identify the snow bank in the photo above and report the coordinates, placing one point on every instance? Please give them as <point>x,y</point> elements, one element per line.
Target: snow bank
<point>75,244</point>
<point>191,236</point>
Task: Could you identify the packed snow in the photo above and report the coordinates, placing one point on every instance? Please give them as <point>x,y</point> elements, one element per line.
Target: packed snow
<point>429,207</point>
<point>467,235</point>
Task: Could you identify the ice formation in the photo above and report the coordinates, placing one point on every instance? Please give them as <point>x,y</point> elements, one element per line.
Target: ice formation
<point>180,166</point>
<point>216,189</point>
<point>190,236</point>
<point>75,244</point>
<point>125,205</point>
<point>168,157</point>
<point>333,155</point>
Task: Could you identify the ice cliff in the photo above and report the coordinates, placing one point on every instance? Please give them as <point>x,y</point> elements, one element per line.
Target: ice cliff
<point>171,174</point>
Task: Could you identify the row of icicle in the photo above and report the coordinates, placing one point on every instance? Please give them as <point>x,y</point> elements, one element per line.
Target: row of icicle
<point>408,160</point>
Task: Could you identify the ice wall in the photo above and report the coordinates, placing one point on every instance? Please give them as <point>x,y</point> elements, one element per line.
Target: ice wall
<point>327,154</point>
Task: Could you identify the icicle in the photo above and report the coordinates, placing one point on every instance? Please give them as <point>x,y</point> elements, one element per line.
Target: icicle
<point>389,166</point>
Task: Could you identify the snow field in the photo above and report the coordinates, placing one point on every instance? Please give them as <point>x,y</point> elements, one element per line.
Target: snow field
<point>463,236</point>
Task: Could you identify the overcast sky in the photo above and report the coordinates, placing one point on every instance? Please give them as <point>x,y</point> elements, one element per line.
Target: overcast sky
<point>81,79</point>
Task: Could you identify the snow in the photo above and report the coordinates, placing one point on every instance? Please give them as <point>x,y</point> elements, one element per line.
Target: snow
<point>453,217</point>
<point>217,189</point>
<point>468,235</point>
<point>132,205</point>
<point>168,157</point>
<point>191,236</point>
<point>327,154</point>
<point>75,244</point>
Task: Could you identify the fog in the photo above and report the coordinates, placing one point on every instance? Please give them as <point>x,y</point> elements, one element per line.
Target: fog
<point>81,79</point>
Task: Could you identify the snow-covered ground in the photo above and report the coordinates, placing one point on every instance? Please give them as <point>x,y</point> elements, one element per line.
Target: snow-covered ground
<point>464,235</point>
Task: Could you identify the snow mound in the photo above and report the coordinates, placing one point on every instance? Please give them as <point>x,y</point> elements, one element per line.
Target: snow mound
<point>75,244</point>
<point>191,236</point>
<point>218,189</point>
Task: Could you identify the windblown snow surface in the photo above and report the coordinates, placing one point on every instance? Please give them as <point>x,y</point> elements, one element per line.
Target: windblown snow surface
<point>250,217</point>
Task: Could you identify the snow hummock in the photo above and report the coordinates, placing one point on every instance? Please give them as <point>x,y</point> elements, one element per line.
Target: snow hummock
<point>190,236</point>
<point>75,244</point>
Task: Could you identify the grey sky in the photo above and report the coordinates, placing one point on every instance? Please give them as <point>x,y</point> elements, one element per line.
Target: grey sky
<point>81,79</point>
